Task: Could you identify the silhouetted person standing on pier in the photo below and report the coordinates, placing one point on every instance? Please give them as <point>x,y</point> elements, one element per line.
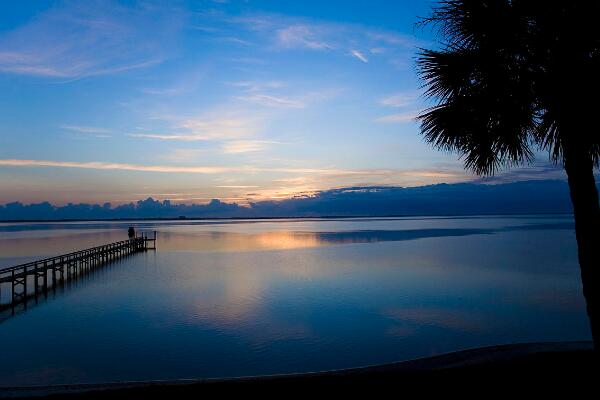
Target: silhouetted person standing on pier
<point>131,232</point>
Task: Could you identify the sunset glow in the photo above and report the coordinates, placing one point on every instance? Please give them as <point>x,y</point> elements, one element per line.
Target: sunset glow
<point>195,100</point>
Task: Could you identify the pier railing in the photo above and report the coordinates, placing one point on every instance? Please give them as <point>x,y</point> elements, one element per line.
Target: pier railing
<point>27,281</point>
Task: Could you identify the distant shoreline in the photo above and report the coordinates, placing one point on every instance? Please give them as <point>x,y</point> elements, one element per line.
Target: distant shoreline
<point>325,217</point>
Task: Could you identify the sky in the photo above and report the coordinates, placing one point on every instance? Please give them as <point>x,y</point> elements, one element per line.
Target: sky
<point>240,100</point>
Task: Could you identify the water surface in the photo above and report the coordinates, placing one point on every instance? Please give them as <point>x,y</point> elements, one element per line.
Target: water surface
<point>234,298</point>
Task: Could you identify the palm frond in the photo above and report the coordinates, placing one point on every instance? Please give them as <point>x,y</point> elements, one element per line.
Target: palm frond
<point>485,105</point>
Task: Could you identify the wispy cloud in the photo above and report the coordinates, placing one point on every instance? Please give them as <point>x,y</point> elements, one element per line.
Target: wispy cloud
<point>255,182</point>
<point>100,165</point>
<point>399,99</point>
<point>257,86</point>
<point>245,146</point>
<point>287,32</point>
<point>409,116</point>
<point>331,172</point>
<point>242,146</point>
<point>203,128</point>
<point>237,186</point>
<point>406,100</point>
<point>235,40</point>
<point>278,94</point>
<point>272,100</point>
<point>78,39</point>
<point>303,36</point>
<point>266,94</point>
<point>169,136</point>
<point>359,55</point>
<point>226,127</point>
<point>111,166</point>
<point>391,38</point>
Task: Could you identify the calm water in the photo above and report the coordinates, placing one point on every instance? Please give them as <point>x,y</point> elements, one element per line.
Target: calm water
<point>261,297</point>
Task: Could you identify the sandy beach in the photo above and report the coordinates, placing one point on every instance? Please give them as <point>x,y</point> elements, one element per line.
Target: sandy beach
<point>527,368</point>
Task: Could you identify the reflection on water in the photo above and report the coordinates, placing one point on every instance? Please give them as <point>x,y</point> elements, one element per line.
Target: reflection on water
<point>222,298</point>
<point>18,245</point>
<point>282,240</point>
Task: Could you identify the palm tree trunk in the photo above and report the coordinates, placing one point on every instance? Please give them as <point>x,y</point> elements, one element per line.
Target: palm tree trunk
<point>584,196</point>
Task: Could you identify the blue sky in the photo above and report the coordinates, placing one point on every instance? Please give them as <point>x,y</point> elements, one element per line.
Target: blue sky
<point>193,100</point>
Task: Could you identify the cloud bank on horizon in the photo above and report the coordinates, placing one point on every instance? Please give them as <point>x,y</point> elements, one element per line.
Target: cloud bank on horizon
<point>244,101</point>
<point>525,197</point>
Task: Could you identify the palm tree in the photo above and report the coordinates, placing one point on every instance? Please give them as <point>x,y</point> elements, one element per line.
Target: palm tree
<point>511,76</point>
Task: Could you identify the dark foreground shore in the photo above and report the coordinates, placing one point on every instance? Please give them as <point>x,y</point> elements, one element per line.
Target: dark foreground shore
<point>570,369</point>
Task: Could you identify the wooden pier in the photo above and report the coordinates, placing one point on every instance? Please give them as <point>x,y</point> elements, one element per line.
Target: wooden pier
<point>27,281</point>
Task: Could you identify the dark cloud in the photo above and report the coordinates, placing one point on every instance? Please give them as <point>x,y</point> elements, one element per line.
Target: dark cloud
<point>545,171</point>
